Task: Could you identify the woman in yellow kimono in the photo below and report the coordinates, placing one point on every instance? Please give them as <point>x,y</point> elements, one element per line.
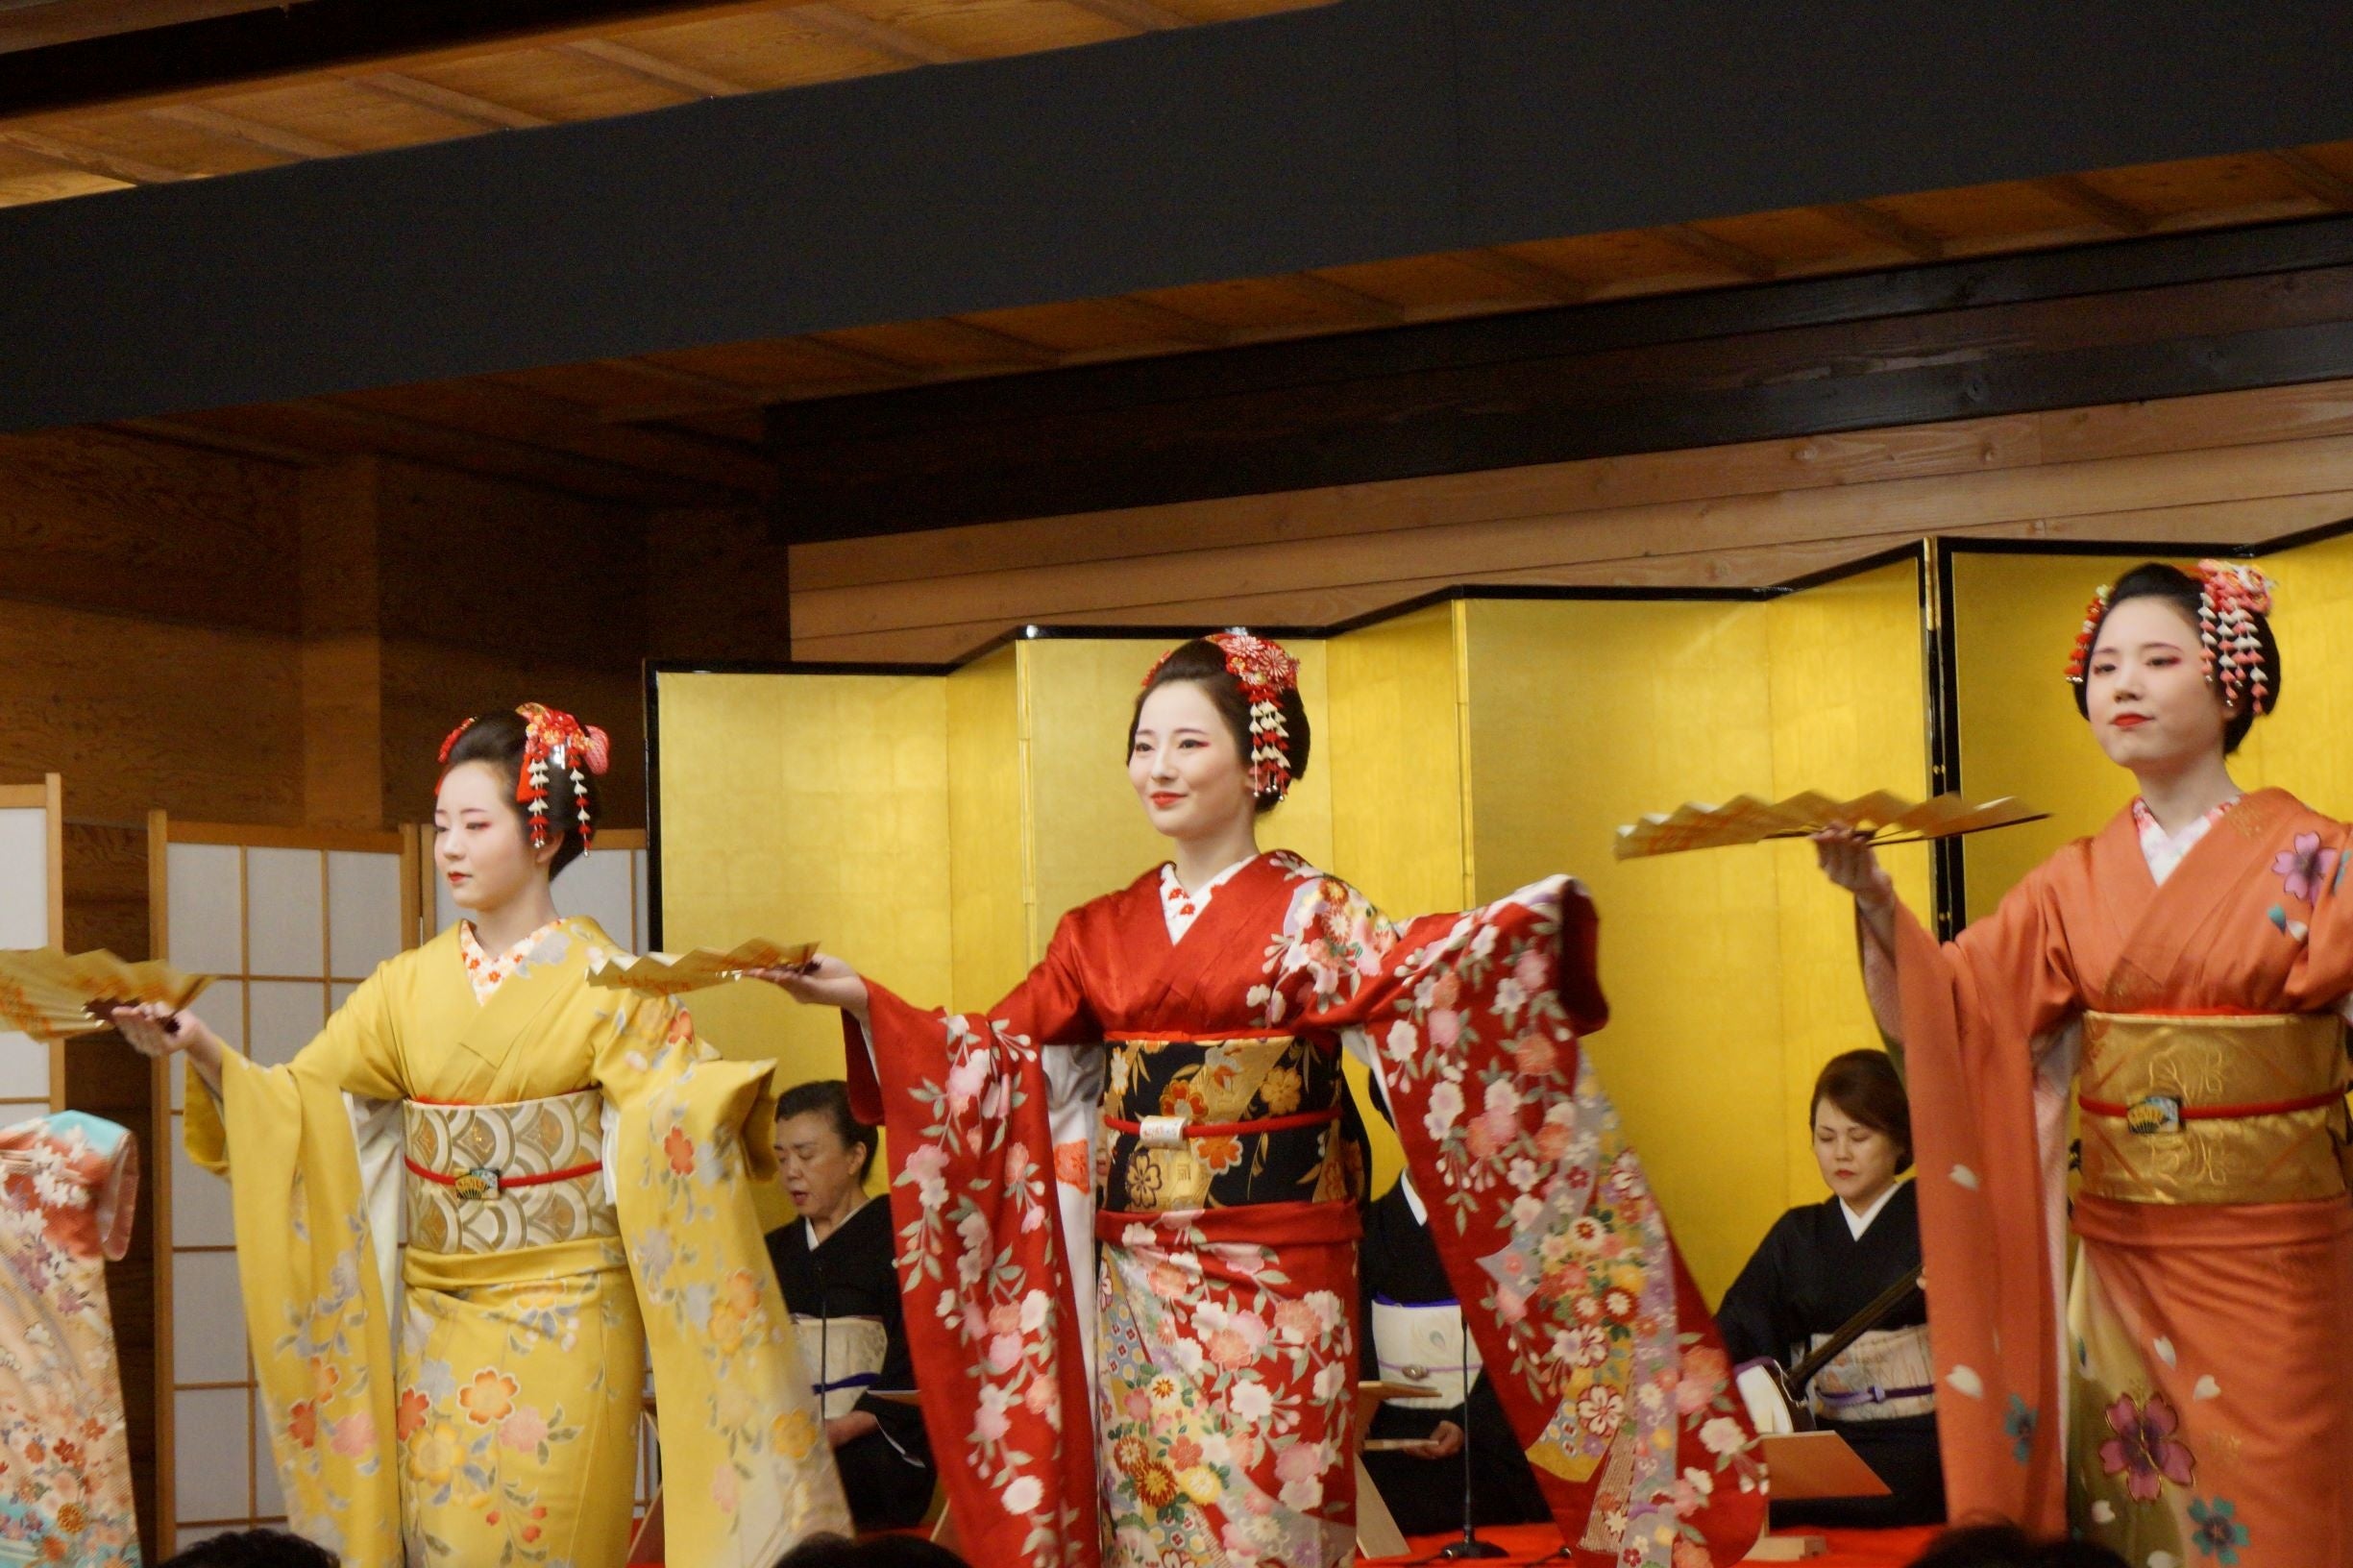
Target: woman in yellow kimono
<point>574,1170</point>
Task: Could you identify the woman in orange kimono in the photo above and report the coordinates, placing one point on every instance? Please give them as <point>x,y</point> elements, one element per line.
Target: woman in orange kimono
<point>1197,1018</point>
<point>2187,969</point>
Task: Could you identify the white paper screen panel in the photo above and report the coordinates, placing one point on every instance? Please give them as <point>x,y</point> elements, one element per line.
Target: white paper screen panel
<point>24,923</point>
<point>287,933</point>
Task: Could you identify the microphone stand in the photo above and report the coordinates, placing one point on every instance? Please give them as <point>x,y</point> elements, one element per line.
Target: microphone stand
<point>1470,1546</point>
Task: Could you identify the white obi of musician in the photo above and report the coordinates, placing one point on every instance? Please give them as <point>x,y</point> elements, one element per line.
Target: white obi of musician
<point>843,1355</point>
<point>1424,1344</point>
<point>1884,1374</point>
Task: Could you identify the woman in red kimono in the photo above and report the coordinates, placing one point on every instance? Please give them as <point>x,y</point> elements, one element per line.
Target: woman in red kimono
<point>2187,969</point>
<point>1179,1052</point>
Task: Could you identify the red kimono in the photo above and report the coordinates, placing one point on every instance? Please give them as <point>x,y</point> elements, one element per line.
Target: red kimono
<point>2192,1404</point>
<point>1197,1090</point>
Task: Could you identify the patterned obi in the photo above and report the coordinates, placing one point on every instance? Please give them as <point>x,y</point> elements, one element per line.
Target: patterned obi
<point>843,1357</point>
<point>1218,1123</point>
<point>500,1177</point>
<point>1884,1374</point>
<point>2245,1109</point>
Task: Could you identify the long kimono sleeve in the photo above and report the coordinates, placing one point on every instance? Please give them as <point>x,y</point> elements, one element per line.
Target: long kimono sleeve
<point>307,1263</point>
<point>1989,1137</point>
<point>745,1465</point>
<point>1593,1332</point>
<point>992,1316</point>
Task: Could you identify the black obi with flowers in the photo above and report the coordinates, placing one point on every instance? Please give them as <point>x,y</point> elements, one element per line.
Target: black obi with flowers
<point>1222,1122</point>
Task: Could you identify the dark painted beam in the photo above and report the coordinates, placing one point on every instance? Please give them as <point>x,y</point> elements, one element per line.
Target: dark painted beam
<point>2142,319</point>
<point>1361,130</point>
<point>84,51</point>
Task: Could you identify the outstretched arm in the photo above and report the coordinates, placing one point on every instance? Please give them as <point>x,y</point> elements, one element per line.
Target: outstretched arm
<point>1849,861</point>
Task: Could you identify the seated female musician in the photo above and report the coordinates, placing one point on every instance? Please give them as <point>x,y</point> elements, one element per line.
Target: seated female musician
<point>1820,1265</point>
<point>833,1266</point>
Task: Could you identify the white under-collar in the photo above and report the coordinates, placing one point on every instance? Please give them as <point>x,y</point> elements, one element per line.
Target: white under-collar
<point>2163,850</point>
<point>1413,1199</point>
<point>1858,1224</point>
<point>1181,908</point>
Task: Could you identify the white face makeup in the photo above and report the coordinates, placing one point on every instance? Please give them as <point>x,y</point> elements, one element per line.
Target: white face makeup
<point>2146,692</point>
<point>479,845</point>
<point>1184,766</point>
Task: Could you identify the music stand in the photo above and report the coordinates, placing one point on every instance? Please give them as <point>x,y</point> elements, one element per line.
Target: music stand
<point>1804,1466</point>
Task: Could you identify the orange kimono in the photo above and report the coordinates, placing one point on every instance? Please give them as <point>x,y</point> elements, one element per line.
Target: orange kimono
<point>2205,1412</point>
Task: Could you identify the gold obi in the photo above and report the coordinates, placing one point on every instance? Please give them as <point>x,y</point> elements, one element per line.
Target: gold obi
<point>500,1177</point>
<point>2242,1109</point>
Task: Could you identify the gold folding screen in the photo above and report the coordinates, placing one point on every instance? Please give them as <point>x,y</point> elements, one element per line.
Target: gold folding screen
<point>934,826</point>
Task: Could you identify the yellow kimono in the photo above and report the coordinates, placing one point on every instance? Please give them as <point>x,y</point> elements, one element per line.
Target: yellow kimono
<point>571,1167</point>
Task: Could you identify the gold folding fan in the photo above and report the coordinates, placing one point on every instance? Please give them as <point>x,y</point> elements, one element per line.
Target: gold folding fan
<point>1879,815</point>
<point>53,995</point>
<point>671,975</point>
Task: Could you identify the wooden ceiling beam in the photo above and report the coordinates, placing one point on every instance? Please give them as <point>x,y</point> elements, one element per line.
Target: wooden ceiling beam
<point>668,73</point>
<point>1722,252</point>
<point>2079,196</point>
<point>894,42</point>
<point>253,133</point>
<point>1885,227</point>
<point>2315,178</point>
<point>463,106</point>
<point>94,160</point>
<point>691,394</point>
<point>866,359</point>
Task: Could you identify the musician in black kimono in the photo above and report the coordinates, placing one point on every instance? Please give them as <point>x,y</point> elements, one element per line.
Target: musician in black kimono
<point>1825,1263</point>
<point>833,1266</point>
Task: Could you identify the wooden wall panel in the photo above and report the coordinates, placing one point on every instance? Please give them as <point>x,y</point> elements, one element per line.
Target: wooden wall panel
<point>2228,467</point>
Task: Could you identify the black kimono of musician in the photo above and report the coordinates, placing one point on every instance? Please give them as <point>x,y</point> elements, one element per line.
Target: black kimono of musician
<point>1819,1266</point>
<point>1398,1265</point>
<point>835,1266</point>
<point>849,1276</point>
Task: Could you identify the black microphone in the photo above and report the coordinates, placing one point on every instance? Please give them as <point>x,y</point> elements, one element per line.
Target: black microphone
<point>1470,1546</point>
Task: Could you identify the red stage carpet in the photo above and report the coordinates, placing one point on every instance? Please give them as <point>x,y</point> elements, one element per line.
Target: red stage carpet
<point>1848,1548</point>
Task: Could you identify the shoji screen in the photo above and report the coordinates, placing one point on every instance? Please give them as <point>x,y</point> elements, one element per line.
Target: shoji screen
<point>32,914</point>
<point>289,922</point>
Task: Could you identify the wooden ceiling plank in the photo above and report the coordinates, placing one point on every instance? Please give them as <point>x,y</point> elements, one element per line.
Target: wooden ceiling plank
<point>182,433</point>
<point>375,430</point>
<point>1722,252</point>
<point>1161,322</point>
<point>1872,222</point>
<point>2073,192</point>
<point>2315,178</point>
<point>898,44</point>
<point>465,105</point>
<point>1140,14</point>
<point>655,68</point>
<point>253,133</point>
<point>1522,272</point>
<point>999,340</point>
<point>864,359</point>
<point>1353,299</point>
<point>73,155</point>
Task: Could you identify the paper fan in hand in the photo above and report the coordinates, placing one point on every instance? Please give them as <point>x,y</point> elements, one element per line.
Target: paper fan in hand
<point>51,994</point>
<point>669,974</point>
<point>1881,817</point>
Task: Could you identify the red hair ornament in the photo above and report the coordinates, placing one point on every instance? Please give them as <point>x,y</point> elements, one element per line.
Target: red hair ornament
<point>551,738</point>
<point>2230,595</point>
<point>1266,672</point>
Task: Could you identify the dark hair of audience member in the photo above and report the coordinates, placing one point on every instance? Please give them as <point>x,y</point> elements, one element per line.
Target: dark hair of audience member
<point>1865,1087</point>
<point>874,1552</point>
<point>2006,1546</point>
<point>255,1549</point>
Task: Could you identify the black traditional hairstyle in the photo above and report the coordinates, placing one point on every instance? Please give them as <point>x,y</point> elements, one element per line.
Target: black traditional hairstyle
<point>499,740</point>
<point>2154,580</point>
<point>1203,662</point>
<point>1865,1088</point>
